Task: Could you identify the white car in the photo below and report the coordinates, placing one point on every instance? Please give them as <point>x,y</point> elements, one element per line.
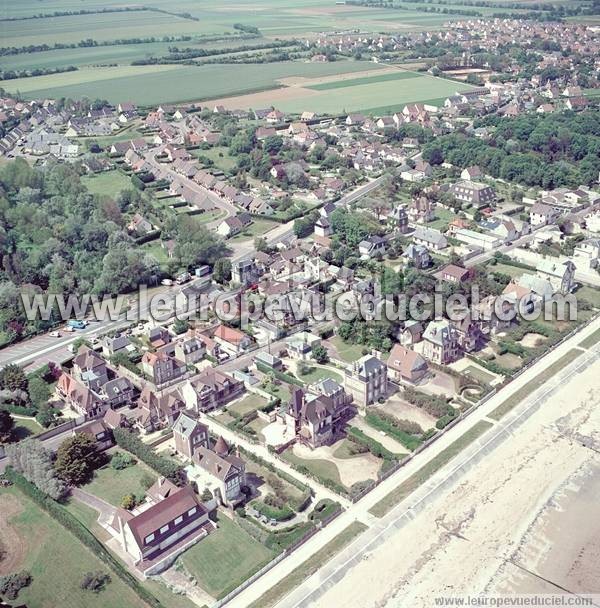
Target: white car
<point>54,334</point>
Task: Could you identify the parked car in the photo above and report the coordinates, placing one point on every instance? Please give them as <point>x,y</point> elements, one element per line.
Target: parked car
<point>54,334</point>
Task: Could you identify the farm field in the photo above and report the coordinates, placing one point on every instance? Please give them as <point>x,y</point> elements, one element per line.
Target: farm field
<point>34,536</point>
<point>151,85</point>
<point>364,97</point>
<point>352,82</point>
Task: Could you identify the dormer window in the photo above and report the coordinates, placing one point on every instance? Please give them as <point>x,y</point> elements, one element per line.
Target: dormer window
<point>149,539</point>
<point>192,511</point>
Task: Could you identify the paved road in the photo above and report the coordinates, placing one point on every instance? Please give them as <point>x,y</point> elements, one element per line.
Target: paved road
<point>403,512</point>
<point>486,255</point>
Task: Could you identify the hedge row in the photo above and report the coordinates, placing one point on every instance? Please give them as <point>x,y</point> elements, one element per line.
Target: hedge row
<point>289,379</point>
<point>129,441</point>
<point>357,436</point>
<point>73,525</point>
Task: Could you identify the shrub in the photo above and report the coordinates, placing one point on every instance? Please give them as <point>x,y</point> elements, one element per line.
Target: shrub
<point>122,460</point>
<point>95,581</point>
<point>11,584</point>
<point>129,502</point>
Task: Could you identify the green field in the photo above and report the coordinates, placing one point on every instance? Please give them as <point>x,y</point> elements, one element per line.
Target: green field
<point>226,558</point>
<point>57,562</point>
<point>109,183</point>
<point>367,97</point>
<point>352,82</point>
<point>151,85</point>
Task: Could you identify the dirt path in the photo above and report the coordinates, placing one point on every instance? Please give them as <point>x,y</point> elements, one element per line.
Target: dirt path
<point>12,546</point>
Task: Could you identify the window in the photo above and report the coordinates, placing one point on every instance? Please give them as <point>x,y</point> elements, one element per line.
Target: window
<point>192,511</point>
<point>178,520</point>
<point>149,539</point>
<point>164,529</point>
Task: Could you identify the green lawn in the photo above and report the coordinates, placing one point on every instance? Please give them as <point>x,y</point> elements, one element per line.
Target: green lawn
<point>220,157</point>
<point>320,373</point>
<point>248,404</point>
<point>539,380</point>
<point>591,340</point>
<point>109,183</point>
<point>111,485</point>
<point>589,294</point>
<point>512,271</point>
<point>57,562</point>
<point>307,568</point>
<point>26,427</point>
<point>210,216</point>
<point>258,227</point>
<point>387,503</point>
<point>479,374</point>
<point>347,352</point>
<point>226,558</point>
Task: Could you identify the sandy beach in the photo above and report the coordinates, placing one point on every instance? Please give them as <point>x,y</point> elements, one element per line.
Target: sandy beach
<point>525,520</point>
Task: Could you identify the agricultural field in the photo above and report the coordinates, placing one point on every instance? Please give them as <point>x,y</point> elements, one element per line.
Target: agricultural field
<point>151,85</point>
<point>371,94</point>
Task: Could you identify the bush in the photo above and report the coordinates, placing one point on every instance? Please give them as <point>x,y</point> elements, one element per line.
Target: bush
<point>122,460</point>
<point>95,581</point>
<point>11,584</point>
<point>129,502</point>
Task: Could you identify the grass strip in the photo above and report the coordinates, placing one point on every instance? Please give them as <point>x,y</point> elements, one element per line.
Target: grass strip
<point>408,486</point>
<point>591,340</point>
<point>307,568</point>
<point>526,390</point>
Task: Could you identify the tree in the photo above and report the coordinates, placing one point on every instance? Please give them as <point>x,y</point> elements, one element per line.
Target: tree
<point>95,581</point>
<point>39,391</point>
<point>222,270</point>
<point>13,378</point>
<point>320,354</point>
<point>11,584</point>
<point>7,425</point>
<point>47,416</point>
<point>76,459</point>
<point>180,326</point>
<point>260,243</point>
<point>32,460</point>
<point>206,495</point>
<point>121,460</point>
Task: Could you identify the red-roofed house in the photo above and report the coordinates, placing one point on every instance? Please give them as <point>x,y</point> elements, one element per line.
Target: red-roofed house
<point>405,365</point>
